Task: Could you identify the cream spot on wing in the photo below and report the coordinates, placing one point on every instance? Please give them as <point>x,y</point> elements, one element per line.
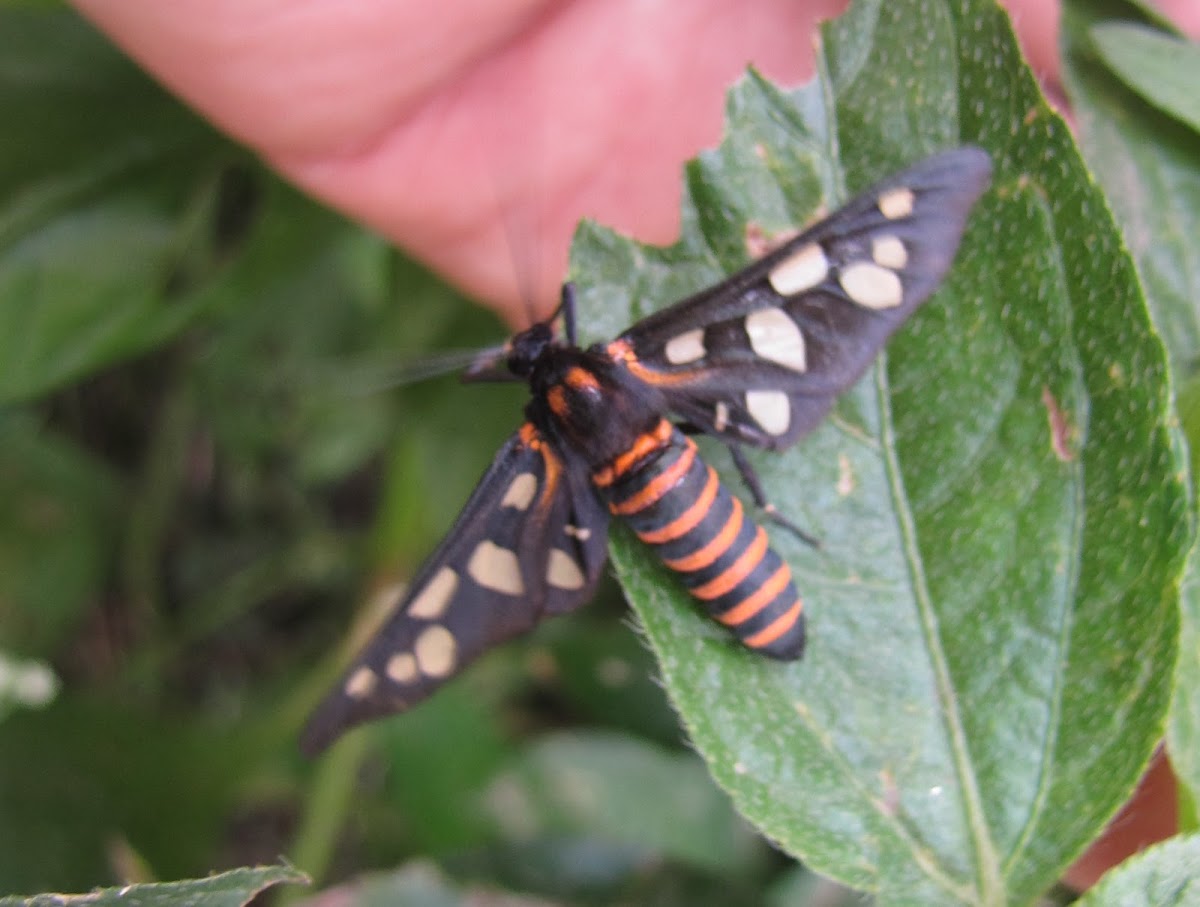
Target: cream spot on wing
<point>686,347</point>
<point>436,651</point>
<point>580,532</point>
<point>496,568</point>
<point>871,286</point>
<point>889,251</point>
<point>563,572</point>
<point>774,336</point>
<point>770,409</point>
<point>402,667</point>
<point>361,683</point>
<point>721,416</point>
<point>896,203</point>
<point>800,271</point>
<point>520,493</point>
<point>431,603</point>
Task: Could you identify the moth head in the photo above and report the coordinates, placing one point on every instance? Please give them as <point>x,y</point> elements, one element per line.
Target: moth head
<point>514,361</point>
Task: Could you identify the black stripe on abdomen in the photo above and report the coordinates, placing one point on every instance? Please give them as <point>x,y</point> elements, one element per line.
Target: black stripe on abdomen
<point>676,504</point>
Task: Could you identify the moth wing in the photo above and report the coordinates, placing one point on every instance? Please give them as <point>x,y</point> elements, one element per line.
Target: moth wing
<point>530,542</point>
<point>760,357</point>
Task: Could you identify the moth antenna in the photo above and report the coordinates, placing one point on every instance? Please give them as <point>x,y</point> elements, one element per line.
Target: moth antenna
<point>365,377</point>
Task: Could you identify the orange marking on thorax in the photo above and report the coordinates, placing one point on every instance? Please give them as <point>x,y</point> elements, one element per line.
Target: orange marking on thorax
<point>689,519</point>
<point>716,546</point>
<point>763,596</point>
<point>581,379</point>
<point>775,628</point>
<point>556,397</point>
<point>737,571</point>
<point>529,436</point>
<point>642,447</point>
<point>654,490</point>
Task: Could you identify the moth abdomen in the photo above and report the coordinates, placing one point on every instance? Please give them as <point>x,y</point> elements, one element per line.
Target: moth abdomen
<point>676,503</point>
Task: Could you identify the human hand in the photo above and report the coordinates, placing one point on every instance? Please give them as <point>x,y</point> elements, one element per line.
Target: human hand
<point>476,133</point>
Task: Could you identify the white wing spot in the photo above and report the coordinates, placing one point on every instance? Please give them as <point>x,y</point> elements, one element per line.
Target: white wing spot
<point>580,532</point>
<point>436,651</point>
<point>402,667</point>
<point>563,572</point>
<point>361,683</point>
<point>889,251</point>
<point>686,347</point>
<point>431,603</point>
<point>520,493</point>
<point>871,286</point>
<point>799,272</point>
<point>896,203</point>
<point>775,336</point>
<point>721,416</point>
<point>496,568</point>
<point>770,409</point>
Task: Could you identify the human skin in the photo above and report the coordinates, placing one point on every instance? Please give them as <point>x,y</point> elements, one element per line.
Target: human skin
<point>476,133</point>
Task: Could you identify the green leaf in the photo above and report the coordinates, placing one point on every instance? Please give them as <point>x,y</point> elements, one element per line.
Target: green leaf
<point>1163,69</point>
<point>622,790</point>
<point>88,774</point>
<point>228,889</point>
<point>421,885</point>
<point>55,534</point>
<point>102,243</point>
<point>1000,502</point>
<point>455,746</point>
<point>1161,876</point>
<point>1150,165</point>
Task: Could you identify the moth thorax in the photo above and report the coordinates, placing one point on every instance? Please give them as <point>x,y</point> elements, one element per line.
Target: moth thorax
<point>576,398</point>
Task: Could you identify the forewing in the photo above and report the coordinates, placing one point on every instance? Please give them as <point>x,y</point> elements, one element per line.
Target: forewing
<point>760,357</point>
<point>530,542</point>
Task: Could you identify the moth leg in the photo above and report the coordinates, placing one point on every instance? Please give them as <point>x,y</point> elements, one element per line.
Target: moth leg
<point>754,484</point>
<point>566,308</point>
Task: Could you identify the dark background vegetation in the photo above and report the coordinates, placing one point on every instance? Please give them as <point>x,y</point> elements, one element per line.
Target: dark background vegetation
<point>200,494</point>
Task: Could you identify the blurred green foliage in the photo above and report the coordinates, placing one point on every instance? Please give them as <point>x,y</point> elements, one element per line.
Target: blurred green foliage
<point>209,485</point>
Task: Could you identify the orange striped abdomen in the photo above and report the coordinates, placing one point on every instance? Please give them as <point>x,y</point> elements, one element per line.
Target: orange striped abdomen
<point>675,503</point>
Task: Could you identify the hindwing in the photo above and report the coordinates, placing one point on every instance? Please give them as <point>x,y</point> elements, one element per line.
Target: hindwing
<point>530,543</point>
<point>760,357</point>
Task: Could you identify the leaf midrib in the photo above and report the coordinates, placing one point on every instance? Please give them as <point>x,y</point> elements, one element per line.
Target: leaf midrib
<point>989,882</point>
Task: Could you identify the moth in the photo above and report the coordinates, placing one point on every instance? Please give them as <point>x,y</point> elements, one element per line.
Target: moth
<point>755,361</point>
